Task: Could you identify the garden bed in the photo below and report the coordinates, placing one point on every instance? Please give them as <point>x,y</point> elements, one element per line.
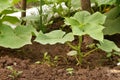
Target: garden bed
<point>95,67</point>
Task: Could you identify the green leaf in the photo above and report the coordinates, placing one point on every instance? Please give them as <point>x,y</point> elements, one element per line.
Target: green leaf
<point>25,31</point>
<point>96,18</point>
<point>113,13</point>
<point>4,4</point>
<point>112,26</point>
<point>54,37</point>
<point>101,2</point>
<point>109,54</point>
<point>112,22</point>
<point>72,53</point>
<point>108,46</point>
<point>116,53</point>
<point>15,38</point>
<point>8,11</point>
<point>78,31</point>
<point>84,23</point>
<point>10,19</point>
<point>95,31</point>
<point>75,4</point>
<point>118,2</point>
<point>71,21</point>
<point>81,16</point>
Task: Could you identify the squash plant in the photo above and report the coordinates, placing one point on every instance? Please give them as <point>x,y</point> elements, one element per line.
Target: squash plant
<point>81,23</point>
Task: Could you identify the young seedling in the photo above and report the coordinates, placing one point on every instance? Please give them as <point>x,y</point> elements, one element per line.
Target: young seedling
<point>46,57</point>
<point>47,60</point>
<point>14,73</point>
<point>70,71</point>
<point>55,60</point>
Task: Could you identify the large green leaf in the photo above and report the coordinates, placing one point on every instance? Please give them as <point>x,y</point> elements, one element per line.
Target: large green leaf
<point>4,4</point>
<point>96,18</point>
<point>54,37</point>
<point>15,38</point>
<point>83,23</point>
<point>81,16</point>
<point>108,46</point>
<point>10,19</point>
<point>113,13</point>
<point>95,31</point>
<point>8,11</point>
<point>112,26</point>
<point>112,22</point>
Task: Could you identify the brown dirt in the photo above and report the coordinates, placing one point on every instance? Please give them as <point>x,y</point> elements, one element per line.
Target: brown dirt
<point>95,66</point>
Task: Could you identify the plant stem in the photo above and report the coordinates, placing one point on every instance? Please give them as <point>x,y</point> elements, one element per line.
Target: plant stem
<point>80,54</point>
<point>100,9</point>
<point>78,61</point>
<point>65,59</point>
<point>86,54</point>
<point>79,44</point>
<point>78,49</point>
<point>40,28</point>
<point>72,46</point>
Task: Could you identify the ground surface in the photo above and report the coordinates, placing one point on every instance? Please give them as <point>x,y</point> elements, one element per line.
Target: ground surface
<point>95,67</point>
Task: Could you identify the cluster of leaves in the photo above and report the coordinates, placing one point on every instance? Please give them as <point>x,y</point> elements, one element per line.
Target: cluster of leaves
<point>113,15</point>
<point>52,9</point>
<point>9,37</point>
<point>81,23</point>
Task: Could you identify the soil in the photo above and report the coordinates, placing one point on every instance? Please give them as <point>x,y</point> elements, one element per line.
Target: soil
<point>95,67</point>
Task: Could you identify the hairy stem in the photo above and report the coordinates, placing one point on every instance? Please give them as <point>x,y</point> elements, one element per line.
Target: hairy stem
<point>80,54</point>
<point>79,44</point>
